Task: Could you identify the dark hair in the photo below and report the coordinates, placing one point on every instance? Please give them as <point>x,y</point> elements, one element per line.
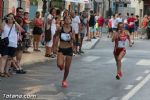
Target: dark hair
<point>17,10</point>
<point>127,14</point>
<point>113,15</point>
<point>137,16</point>
<point>66,17</point>
<point>119,25</point>
<point>91,12</point>
<point>37,13</point>
<point>58,12</point>
<point>51,10</point>
<point>119,14</point>
<point>26,13</point>
<point>132,14</point>
<point>6,20</point>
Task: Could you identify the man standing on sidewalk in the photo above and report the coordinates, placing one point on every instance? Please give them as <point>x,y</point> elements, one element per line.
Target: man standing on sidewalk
<point>75,28</point>
<point>101,21</point>
<point>92,23</point>
<point>20,48</point>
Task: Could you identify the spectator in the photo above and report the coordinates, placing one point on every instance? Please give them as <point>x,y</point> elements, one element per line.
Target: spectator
<point>148,28</point>
<point>110,28</point>
<point>26,27</point>
<point>37,31</point>
<point>114,24</point>
<point>131,22</point>
<point>21,42</point>
<point>136,27</point>
<point>83,28</point>
<point>10,29</point>
<point>51,26</point>
<point>75,28</point>
<point>92,23</point>
<point>144,26</point>
<point>100,25</point>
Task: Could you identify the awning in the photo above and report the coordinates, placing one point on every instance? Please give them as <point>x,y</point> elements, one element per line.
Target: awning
<point>78,1</point>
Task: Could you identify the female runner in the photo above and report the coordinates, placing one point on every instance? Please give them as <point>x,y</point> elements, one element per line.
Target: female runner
<point>65,52</point>
<point>120,38</point>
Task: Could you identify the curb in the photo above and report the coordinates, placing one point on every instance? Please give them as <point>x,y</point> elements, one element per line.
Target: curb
<point>48,59</point>
<point>93,46</point>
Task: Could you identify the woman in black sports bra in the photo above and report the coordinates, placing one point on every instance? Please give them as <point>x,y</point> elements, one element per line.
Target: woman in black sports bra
<point>65,52</point>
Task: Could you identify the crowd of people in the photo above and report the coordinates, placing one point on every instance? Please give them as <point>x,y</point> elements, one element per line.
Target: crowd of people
<point>62,33</point>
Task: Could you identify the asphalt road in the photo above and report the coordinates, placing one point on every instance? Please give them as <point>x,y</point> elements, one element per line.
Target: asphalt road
<point>92,77</point>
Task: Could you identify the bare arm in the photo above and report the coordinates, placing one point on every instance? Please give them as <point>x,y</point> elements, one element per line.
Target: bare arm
<point>18,27</point>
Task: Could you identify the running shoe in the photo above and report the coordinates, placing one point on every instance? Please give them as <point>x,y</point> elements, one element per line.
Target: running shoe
<point>118,77</point>
<point>120,74</point>
<point>64,84</point>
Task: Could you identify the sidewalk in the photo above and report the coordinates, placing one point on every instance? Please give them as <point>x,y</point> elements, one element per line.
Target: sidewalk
<point>36,57</point>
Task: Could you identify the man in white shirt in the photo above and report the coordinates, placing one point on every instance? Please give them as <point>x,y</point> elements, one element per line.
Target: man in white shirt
<point>114,23</point>
<point>75,28</point>
<point>119,18</point>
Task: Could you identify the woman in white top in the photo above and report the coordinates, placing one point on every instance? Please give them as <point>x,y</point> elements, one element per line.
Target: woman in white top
<point>9,29</point>
<point>51,23</point>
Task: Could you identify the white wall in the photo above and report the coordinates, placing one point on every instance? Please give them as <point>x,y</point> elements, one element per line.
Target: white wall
<point>135,4</point>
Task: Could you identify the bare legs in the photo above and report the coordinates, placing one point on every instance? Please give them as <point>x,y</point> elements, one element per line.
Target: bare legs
<point>64,62</point>
<point>118,62</point>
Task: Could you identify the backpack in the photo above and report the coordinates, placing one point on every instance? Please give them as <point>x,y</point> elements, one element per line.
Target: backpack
<point>92,21</point>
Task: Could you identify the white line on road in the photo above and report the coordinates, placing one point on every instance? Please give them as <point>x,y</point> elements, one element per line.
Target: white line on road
<point>143,62</point>
<point>114,98</point>
<point>137,88</point>
<point>139,78</point>
<point>146,71</point>
<point>113,61</point>
<point>90,58</point>
<point>128,87</point>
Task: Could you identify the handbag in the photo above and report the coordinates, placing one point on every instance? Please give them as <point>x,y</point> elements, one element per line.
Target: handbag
<point>48,33</point>
<point>4,42</point>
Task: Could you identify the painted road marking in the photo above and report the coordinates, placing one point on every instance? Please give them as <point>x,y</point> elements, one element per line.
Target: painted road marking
<point>128,87</point>
<point>146,71</point>
<point>143,62</point>
<point>136,88</point>
<point>113,61</point>
<point>90,58</point>
<point>139,78</point>
<point>114,98</point>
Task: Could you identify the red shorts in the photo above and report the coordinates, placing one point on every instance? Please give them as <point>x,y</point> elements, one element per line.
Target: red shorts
<point>118,51</point>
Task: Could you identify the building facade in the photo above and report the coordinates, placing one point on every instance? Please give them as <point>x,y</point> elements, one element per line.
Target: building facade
<point>138,7</point>
<point>147,7</point>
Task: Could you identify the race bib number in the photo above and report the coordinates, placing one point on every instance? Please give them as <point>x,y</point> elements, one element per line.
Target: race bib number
<point>65,37</point>
<point>131,23</point>
<point>121,44</point>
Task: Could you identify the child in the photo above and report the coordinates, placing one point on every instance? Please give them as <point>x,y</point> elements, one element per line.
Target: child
<point>26,23</point>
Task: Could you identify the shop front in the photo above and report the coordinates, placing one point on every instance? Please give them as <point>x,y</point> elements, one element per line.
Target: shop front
<point>1,8</point>
<point>147,7</point>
